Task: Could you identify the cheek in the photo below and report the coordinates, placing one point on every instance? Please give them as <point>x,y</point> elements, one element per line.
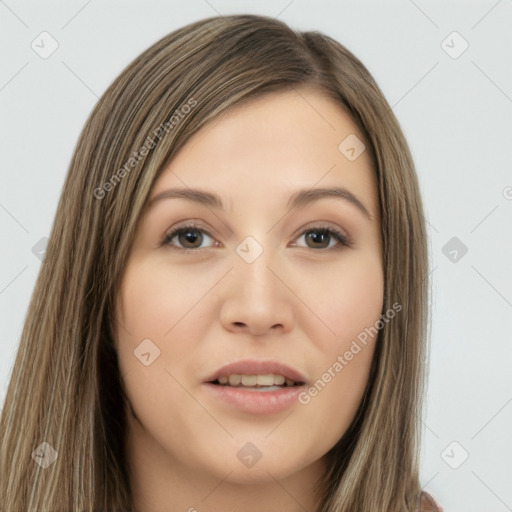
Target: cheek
<point>147,313</point>
<point>171,308</point>
<point>153,309</point>
<point>350,303</point>
<point>345,298</point>
<point>153,300</point>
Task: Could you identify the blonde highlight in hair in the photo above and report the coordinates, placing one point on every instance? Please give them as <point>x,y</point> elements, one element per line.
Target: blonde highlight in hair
<point>66,388</point>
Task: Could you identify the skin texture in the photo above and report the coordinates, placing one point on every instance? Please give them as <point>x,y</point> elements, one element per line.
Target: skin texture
<point>301,304</point>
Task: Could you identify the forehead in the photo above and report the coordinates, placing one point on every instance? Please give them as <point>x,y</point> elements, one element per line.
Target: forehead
<point>303,113</point>
<point>271,145</point>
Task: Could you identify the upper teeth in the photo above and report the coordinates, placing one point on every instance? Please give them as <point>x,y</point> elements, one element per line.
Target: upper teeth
<point>255,380</point>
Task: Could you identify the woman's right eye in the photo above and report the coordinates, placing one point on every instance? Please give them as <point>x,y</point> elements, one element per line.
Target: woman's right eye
<point>188,236</point>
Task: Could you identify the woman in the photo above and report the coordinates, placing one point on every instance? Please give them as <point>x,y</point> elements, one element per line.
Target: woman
<point>155,373</point>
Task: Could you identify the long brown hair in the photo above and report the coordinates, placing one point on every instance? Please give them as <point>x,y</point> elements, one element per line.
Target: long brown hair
<point>66,388</point>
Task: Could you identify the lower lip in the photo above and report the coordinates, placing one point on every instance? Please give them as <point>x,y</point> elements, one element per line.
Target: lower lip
<point>256,402</point>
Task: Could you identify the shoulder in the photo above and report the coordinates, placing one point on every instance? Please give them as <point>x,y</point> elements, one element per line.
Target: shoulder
<point>428,504</point>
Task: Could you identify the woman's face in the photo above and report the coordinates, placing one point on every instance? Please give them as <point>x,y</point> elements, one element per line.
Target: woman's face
<point>260,282</point>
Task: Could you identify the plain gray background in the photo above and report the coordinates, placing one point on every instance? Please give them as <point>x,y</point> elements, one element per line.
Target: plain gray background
<point>455,108</point>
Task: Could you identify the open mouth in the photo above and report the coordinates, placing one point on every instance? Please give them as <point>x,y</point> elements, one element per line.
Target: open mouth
<point>268,382</point>
<point>256,387</point>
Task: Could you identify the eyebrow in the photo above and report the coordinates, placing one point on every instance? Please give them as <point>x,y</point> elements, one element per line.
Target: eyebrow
<point>298,199</point>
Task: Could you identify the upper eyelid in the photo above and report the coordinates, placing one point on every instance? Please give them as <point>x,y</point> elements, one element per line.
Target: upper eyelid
<point>198,225</point>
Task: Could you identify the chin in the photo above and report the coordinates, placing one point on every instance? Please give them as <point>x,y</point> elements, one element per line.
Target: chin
<point>252,466</point>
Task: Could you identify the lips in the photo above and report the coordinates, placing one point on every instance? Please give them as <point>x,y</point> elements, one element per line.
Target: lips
<point>257,367</point>
<point>244,386</point>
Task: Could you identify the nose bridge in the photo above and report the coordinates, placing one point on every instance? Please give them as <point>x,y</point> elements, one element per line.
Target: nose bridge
<point>257,299</point>
<point>254,261</point>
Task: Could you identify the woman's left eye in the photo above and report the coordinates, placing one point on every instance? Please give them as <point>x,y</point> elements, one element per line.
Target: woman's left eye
<point>319,235</point>
<point>190,237</point>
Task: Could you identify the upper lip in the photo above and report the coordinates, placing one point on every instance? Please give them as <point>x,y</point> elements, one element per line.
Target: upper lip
<point>258,367</point>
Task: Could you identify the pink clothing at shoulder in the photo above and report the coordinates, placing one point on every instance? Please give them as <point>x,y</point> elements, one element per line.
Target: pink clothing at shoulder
<point>428,504</point>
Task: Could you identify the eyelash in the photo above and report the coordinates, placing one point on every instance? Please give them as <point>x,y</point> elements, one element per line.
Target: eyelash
<point>342,239</point>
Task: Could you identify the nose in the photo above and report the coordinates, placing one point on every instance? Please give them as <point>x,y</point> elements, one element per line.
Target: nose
<point>257,299</point>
